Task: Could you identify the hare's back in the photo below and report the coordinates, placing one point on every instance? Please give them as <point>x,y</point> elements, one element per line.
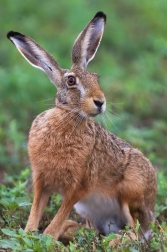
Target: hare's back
<point>122,168</point>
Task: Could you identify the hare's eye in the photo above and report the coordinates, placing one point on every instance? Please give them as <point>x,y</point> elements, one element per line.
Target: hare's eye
<point>71,80</point>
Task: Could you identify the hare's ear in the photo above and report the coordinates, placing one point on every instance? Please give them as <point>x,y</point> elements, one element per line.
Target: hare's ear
<point>36,55</point>
<point>88,41</point>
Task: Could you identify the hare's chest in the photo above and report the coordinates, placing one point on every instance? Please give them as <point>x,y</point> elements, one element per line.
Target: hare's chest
<point>58,156</point>
<point>52,135</point>
<point>60,148</point>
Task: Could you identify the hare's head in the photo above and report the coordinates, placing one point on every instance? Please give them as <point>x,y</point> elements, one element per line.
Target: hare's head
<point>77,89</point>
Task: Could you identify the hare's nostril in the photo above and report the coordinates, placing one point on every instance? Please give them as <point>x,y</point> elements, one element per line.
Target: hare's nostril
<point>98,103</point>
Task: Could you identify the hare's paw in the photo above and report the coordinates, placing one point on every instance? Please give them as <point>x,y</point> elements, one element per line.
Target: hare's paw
<point>68,231</point>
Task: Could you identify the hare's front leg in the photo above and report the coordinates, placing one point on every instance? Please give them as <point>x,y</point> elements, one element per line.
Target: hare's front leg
<point>58,221</point>
<point>41,197</point>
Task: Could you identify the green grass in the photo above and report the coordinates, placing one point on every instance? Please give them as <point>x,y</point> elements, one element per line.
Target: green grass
<point>14,210</point>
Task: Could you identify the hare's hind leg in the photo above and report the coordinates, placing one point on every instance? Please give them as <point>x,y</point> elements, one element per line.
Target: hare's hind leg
<point>40,200</point>
<point>130,221</point>
<point>143,214</point>
<point>145,217</point>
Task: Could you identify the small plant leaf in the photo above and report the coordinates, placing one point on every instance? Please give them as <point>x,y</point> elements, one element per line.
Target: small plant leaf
<point>23,201</point>
<point>11,233</point>
<point>27,241</point>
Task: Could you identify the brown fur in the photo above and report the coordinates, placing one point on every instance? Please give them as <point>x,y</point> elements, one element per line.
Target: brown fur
<point>72,154</point>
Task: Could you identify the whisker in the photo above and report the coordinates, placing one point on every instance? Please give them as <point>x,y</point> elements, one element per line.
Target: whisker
<point>101,120</point>
<point>114,114</point>
<point>65,120</point>
<point>108,117</point>
<point>115,104</point>
<point>79,119</point>
<point>50,104</point>
<point>64,116</point>
<point>104,121</point>
<point>73,111</point>
<point>63,124</point>
<point>45,100</point>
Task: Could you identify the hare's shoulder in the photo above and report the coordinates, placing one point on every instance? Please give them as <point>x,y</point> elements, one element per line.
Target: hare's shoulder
<point>45,124</point>
<point>105,137</point>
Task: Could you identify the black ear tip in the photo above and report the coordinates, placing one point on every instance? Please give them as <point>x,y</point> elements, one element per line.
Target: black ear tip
<point>9,34</point>
<point>100,14</point>
<point>13,34</point>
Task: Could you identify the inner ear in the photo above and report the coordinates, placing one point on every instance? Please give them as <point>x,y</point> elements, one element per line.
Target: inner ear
<point>88,41</point>
<point>37,56</point>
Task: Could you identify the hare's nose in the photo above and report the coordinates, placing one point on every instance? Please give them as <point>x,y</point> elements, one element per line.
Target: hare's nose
<point>98,103</point>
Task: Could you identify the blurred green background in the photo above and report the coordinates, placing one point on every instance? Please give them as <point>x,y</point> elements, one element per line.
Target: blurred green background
<point>131,61</point>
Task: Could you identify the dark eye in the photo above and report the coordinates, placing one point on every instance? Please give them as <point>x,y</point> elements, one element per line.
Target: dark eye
<point>71,80</point>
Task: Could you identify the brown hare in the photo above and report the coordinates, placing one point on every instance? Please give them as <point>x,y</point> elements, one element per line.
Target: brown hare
<point>109,182</point>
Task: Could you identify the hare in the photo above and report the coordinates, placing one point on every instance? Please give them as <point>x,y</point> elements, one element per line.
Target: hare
<point>108,182</point>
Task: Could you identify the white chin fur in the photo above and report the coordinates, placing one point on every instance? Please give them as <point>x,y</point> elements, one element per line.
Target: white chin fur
<point>103,108</point>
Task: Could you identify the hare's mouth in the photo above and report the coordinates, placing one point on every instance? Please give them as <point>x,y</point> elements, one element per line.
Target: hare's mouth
<point>99,108</point>
<point>96,114</point>
<point>92,113</point>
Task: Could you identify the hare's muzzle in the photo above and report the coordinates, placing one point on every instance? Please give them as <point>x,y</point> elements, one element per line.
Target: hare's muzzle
<point>100,105</point>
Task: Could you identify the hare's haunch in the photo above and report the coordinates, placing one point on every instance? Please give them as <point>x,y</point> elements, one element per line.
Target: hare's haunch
<point>108,181</point>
